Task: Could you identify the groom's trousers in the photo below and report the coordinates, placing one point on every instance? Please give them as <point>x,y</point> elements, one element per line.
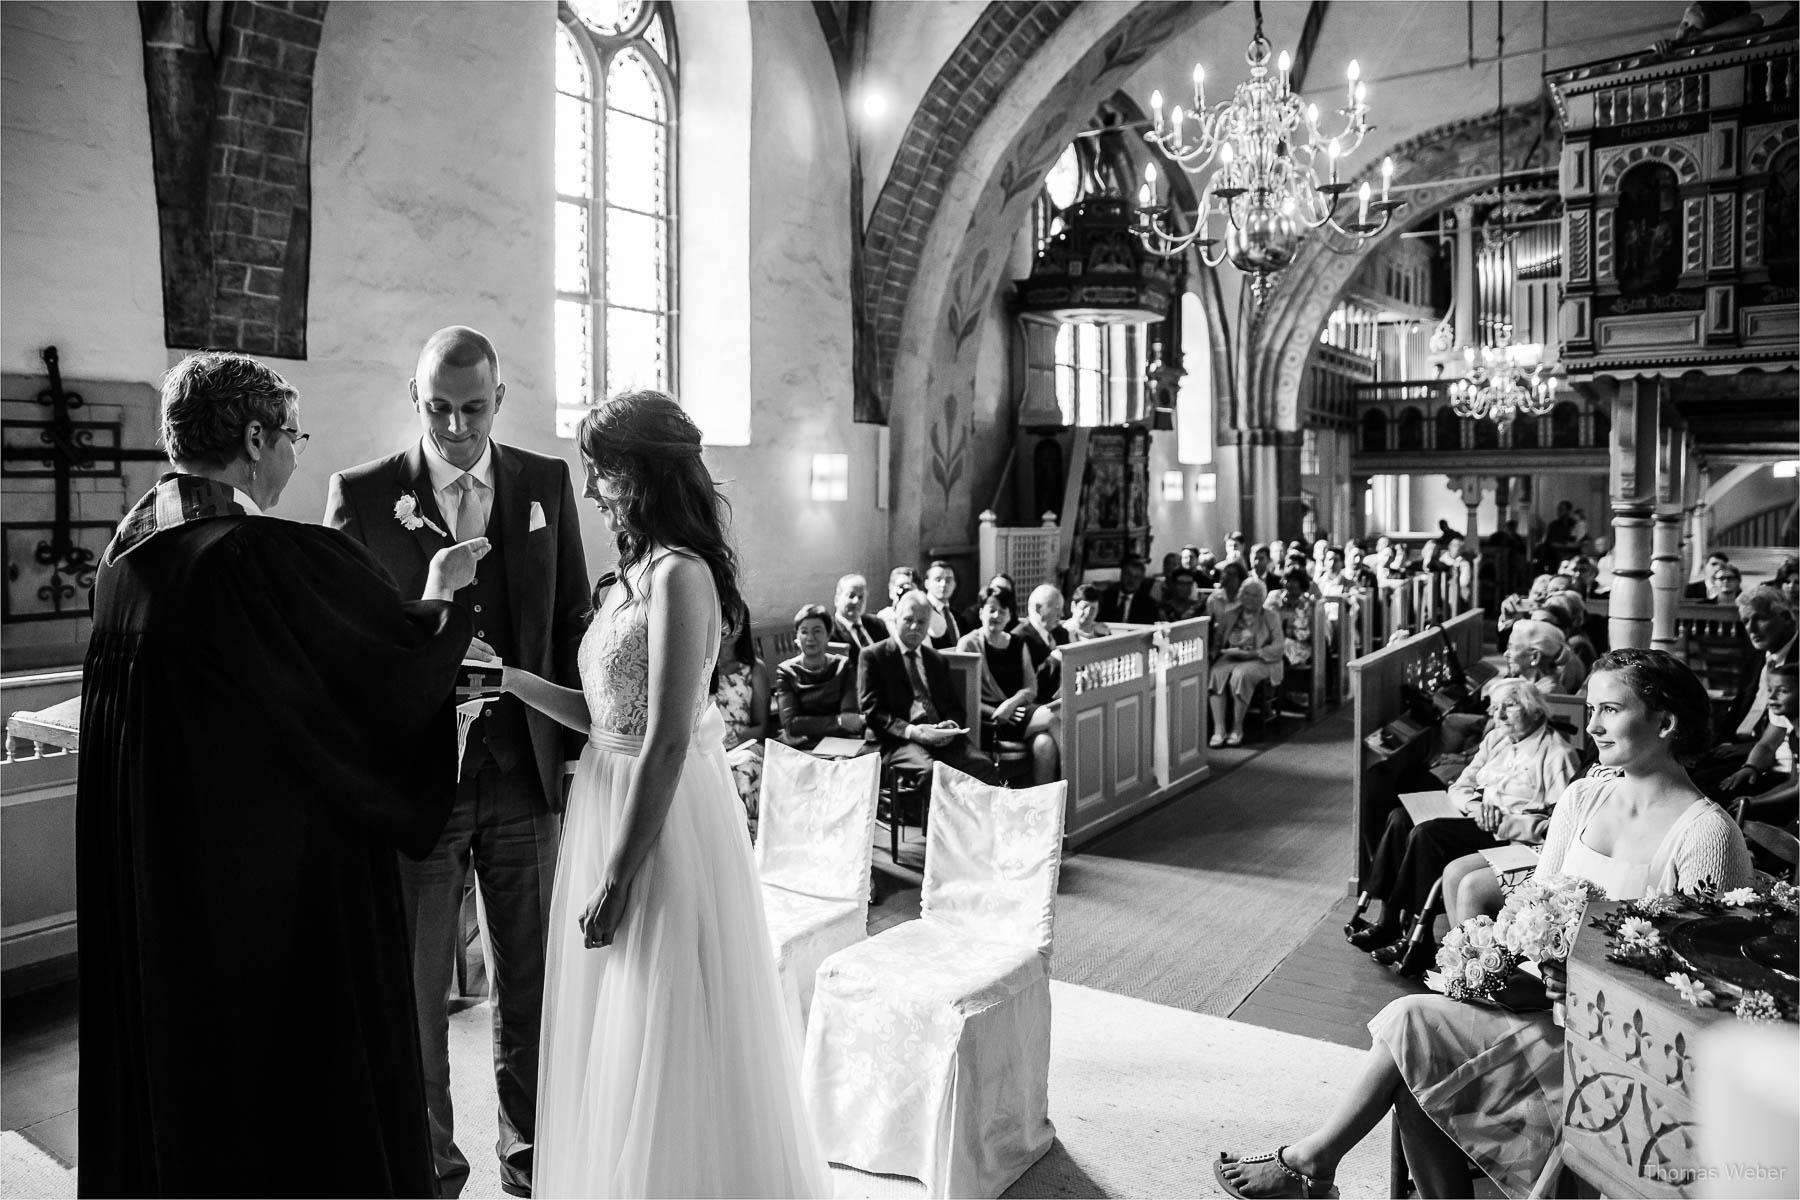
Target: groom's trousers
<point>502,828</point>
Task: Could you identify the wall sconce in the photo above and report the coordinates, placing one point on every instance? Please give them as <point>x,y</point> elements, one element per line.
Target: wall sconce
<point>830,477</point>
<point>1174,485</point>
<point>1787,468</point>
<point>1206,488</point>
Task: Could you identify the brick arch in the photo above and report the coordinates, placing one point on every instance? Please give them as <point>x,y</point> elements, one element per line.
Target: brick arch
<point>1451,159</point>
<point>934,307</point>
<point>991,55</point>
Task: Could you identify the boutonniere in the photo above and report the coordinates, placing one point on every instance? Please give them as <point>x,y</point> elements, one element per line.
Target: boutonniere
<point>406,511</point>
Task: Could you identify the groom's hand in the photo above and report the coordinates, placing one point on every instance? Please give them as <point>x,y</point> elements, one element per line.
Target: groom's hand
<point>481,650</point>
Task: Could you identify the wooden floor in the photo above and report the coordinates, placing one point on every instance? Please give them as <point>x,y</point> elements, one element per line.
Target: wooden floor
<point>1325,988</point>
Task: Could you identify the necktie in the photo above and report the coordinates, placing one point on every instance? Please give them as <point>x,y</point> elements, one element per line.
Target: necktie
<point>470,521</point>
<point>924,712</point>
<point>858,633</point>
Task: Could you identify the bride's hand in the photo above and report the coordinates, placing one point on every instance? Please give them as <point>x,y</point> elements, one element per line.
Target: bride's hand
<point>600,919</point>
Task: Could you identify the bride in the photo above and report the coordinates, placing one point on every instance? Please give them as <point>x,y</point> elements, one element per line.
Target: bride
<point>668,1067</point>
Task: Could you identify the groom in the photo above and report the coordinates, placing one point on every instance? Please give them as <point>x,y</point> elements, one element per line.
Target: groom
<point>527,604</point>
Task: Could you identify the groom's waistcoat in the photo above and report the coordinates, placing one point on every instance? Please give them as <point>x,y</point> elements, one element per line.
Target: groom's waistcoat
<point>501,732</point>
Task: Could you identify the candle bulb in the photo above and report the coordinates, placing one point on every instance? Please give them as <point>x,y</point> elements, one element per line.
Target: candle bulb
<point>1363,195</point>
<point>1156,109</point>
<point>1199,86</point>
<point>1387,176</point>
<point>1312,115</point>
<point>1176,117</point>
<point>1334,150</point>
<point>1351,74</point>
<point>1282,64</point>
<point>1150,180</point>
<point>1361,93</point>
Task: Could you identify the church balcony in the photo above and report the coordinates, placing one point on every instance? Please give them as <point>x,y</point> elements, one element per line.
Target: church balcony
<point>1408,426</point>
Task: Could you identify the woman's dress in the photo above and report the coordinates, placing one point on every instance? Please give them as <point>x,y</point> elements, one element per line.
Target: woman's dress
<point>669,1067</point>
<point>735,694</point>
<point>1492,1079</point>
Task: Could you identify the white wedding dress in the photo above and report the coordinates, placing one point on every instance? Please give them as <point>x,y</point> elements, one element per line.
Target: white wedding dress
<point>668,1066</point>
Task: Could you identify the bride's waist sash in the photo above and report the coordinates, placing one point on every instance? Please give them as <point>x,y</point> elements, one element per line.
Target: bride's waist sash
<point>709,734</point>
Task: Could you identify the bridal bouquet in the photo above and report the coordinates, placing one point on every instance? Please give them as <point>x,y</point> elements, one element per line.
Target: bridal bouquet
<point>1472,963</point>
<point>1541,916</point>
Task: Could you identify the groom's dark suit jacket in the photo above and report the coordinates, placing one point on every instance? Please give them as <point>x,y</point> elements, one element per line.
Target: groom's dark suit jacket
<point>543,581</point>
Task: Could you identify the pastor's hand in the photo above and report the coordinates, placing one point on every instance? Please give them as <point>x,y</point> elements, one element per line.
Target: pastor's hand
<point>453,568</point>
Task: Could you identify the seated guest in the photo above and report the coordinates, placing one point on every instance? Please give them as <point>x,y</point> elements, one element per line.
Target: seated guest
<point>1582,570</point>
<point>1357,571</point>
<point>815,691</point>
<point>1247,649</point>
<point>904,689</point>
<point>1002,579</point>
<point>1767,776</point>
<point>1234,550</point>
<point>1010,711</point>
<point>1331,579</point>
<point>1487,1083</point>
<point>901,580</point>
<point>1295,606</point>
<point>940,588</point>
<point>1084,623</point>
<point>850,622</point>
<point>1043,635</point>
<point>1190,557</point>
<point>1262,566</point>
<point>1702,588</point>
<point>1178,602</point>
<point>741,690</point>
<point>1171,563</point>
<point>1296,559</point>
<point>1787,579</point>
<point>1506,794</point>
<point>1206,573</point>
<point>1566,611</point>
<point>1224,597</point>
<point>1128,601</point>
<point>1537,652</point>
<point>1727,584</point>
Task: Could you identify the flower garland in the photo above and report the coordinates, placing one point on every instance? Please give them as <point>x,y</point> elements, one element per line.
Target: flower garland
<point>1634,940</point>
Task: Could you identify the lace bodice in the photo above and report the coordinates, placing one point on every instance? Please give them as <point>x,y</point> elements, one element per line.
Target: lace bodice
<point>615,667</point>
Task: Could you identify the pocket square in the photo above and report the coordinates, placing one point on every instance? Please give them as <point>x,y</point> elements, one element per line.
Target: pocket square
<point>537,517</point>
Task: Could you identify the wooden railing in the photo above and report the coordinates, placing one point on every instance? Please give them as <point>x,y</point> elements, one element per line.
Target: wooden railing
<point>1711,640</point>
<point>37,828</point>
<point>1415,416</point>
<point>1030,555</point>
<point>1773,526</point>
<point>1385,739</point>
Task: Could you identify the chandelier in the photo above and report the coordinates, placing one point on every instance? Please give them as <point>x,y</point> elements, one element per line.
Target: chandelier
<point>1500,382</point>
<point>1503,380</point>
<point>1265,151</point>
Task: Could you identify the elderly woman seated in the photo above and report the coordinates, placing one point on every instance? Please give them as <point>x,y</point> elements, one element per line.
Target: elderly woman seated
<point>1506,794</point>
<point>1010,711</point>
<point>1535,652</point>
<point>1247,650</point>
<point>1568,612</point>
<point>1468,1081</point>
<point>815,691</point>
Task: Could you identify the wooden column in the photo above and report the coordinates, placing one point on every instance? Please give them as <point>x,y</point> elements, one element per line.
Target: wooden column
<point>1634,462</point>
<point>1464,275</point>
<point>1665,561</point>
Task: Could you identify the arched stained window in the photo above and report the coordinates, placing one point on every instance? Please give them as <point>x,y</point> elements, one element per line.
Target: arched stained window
<point>615,202</point>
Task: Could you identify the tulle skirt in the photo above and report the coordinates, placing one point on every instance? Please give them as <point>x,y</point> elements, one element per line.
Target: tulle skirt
<point>668,1066</point>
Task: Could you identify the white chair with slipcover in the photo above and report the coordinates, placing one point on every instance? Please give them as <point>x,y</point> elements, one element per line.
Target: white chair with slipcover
<point>813,844</point>
<point>928,1047</point>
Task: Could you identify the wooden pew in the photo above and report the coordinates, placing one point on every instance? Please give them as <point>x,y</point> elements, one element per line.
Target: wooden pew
<point>1385,739</point>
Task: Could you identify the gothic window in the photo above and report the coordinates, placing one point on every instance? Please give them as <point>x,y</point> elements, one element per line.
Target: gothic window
<point>615,202</point>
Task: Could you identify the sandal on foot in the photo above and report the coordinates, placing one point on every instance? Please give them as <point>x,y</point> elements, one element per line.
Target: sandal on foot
<point>1234,739</point>
<point>1304,1187</point>
<point>1216,740</point>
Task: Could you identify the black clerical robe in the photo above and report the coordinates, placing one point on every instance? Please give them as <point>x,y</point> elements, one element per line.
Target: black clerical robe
<point>264,720</point>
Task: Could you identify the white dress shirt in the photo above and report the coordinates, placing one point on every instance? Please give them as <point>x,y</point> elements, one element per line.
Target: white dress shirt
<point>243,498</point>
<point>443,482</point>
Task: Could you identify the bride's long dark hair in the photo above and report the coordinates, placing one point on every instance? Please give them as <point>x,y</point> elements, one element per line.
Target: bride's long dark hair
<point>648,448</point>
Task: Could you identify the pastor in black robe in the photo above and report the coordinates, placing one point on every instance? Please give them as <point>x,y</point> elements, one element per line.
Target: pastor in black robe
<point>264,721</point>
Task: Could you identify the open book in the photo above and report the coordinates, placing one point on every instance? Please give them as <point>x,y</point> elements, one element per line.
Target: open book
<point>838,747</point>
